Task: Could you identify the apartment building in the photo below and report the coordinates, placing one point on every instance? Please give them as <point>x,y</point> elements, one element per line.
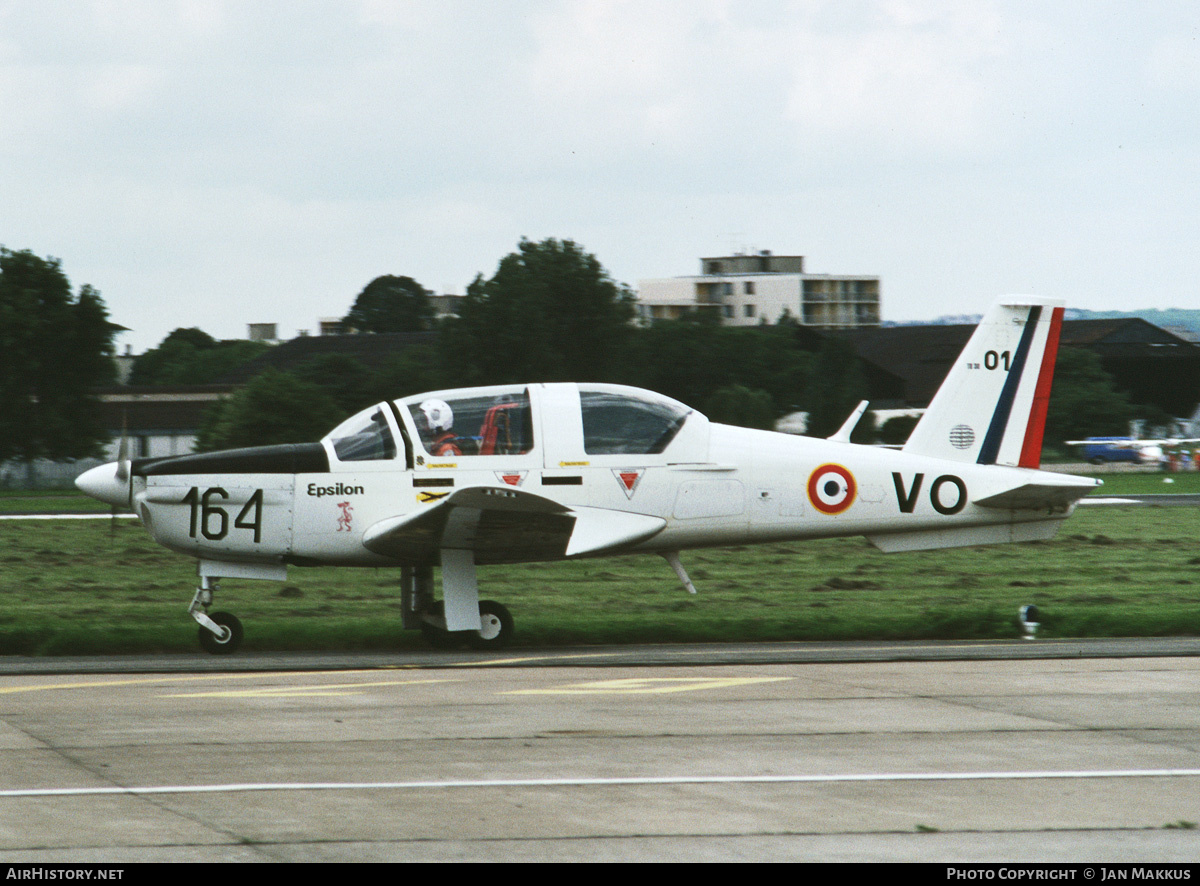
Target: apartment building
<point>746,290</point>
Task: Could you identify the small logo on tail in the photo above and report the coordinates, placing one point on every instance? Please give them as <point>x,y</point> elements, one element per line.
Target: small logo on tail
<point>962,437</point>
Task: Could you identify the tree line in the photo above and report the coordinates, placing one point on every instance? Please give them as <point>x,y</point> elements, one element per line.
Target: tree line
<point>55,347</point>
<point>550,312</point>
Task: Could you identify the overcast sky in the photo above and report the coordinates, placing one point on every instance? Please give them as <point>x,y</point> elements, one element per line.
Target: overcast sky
<point>213,164</point>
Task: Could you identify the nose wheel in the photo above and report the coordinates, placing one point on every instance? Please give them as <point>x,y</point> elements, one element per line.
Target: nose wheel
<point>228,640</point>
<point>220,632</point>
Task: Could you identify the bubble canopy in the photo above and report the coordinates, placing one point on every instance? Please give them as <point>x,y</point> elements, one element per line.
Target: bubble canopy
<point>512,420</point>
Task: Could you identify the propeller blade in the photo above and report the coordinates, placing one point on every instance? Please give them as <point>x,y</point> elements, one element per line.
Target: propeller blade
<point>123,451</point>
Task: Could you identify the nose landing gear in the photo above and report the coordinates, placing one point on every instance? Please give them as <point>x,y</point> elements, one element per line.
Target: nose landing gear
<point>221,632</point>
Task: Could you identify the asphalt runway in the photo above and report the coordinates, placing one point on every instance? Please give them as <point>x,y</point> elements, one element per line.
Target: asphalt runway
<point>913,752</point>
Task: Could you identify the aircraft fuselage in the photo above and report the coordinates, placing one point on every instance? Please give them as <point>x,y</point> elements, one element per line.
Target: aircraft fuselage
<point>755,486</point>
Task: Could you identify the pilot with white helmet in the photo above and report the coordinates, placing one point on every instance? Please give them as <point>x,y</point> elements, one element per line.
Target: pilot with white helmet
<point>436,419</point>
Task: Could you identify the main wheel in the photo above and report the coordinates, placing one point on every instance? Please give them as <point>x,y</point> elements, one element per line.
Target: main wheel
<point>210,642</point>
<point>496,627</point>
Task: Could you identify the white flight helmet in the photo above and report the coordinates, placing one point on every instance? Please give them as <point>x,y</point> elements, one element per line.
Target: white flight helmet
<point>438,415</point>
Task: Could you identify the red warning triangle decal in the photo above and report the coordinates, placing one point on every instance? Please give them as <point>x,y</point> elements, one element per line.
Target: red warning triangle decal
<point>629,479</point>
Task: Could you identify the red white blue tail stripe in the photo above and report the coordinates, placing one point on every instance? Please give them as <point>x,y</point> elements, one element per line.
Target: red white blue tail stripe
<point>991,410</point>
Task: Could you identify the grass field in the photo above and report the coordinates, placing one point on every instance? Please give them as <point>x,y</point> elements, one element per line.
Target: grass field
<point>59,501</point>
<point>70,587</point>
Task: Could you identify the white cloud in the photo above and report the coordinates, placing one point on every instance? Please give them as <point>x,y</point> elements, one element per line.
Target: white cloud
<point>186,156</point>
<point>906,82</point>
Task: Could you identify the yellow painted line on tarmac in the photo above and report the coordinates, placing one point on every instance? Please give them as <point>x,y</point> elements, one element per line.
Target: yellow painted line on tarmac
<point>527,659</point>
<point>315,689</point>
<point>108,684</point>
<point>166,679</point>
<point>648,685</point>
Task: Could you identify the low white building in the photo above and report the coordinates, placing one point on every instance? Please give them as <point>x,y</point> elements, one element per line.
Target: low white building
<point>746,290</point>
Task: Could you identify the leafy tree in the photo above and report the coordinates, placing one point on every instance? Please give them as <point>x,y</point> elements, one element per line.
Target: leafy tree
<point>549,313</point>
<point>54,347</point>
<point>391,304</point>
<point>192,357</point>
<point>690,359</point>
<point>835,387</point>
<point>197,338</point>
<point>346,380</point>
<point>739,405</point>
<point>412,371</point>
<point>274,407</point>
<point>1083,401</point>
<point>679,358</point>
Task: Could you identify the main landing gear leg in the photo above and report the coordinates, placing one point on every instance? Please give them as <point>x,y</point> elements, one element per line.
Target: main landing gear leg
<point>461,617</point>
<point>416,595</point>
<point>221,632</point>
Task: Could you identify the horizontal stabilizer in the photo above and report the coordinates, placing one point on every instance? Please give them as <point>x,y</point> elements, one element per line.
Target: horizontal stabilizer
<point>1038,496</point>
<point>504,525</point>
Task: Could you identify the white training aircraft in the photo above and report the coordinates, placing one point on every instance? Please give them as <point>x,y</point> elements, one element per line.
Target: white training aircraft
<point>557,471</point>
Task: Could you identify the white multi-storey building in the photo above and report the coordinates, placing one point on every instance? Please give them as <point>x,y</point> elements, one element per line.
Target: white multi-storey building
<point>746,290</point>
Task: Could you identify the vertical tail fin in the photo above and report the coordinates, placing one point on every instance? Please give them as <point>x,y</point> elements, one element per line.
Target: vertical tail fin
<point>991,409</point>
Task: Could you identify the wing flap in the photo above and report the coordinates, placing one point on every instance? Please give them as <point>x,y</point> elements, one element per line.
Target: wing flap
<point>506,526</point>
<point>598,529</point>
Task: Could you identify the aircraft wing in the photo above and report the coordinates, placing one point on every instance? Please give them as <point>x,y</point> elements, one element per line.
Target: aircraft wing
<point>500,525</point>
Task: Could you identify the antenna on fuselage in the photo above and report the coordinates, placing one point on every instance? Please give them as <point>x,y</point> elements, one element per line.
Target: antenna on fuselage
<point>842,434</point>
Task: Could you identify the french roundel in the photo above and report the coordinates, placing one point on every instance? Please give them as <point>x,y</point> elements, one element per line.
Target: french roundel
<point>831,489</point>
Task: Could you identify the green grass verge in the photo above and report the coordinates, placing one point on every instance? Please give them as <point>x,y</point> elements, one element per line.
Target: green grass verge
<point>1149,483</point>
<point>63,501</point>
<point>82,587</point>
